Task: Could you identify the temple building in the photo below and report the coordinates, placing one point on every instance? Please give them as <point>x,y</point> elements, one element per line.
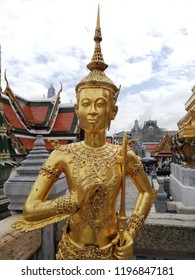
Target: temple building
<point>162,152</point>
<point>146,139</point>
<point>186,132</point>
<point>51,92</point>
<point>183,152</point>
<point>25,119</point>
<point>151,136</point>
<point>136,131</point>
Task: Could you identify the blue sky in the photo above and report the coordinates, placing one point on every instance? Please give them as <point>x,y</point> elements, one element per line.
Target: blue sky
<point>148,45</point>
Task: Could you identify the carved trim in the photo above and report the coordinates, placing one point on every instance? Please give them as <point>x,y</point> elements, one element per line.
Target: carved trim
<point>135,223</point>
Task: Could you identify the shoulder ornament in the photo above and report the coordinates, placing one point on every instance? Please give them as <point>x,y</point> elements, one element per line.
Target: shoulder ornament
<point>57,146</point>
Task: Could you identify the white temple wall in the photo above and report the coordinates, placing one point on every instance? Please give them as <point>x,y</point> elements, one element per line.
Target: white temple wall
<point>182,184</point>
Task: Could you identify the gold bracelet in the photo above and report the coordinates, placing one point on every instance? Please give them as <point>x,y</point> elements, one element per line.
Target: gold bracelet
<point>134,170</point>
<point>66,204</point>
<point>135,224</point>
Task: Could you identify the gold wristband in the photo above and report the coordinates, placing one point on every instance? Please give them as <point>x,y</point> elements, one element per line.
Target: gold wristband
<point>66,204</point>
<point>135,224</point>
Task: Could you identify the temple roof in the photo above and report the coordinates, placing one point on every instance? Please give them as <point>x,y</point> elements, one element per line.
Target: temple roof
<point>39,114</point>
<point>45,115</point>
<point>27,118</point>
<point>164,146</point>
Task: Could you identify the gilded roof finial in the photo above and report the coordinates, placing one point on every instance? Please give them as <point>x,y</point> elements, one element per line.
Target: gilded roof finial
<point>97,77</point>
<point>7,83</point>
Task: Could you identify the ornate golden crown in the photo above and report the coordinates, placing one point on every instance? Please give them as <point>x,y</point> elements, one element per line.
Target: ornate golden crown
<point>97,77</point>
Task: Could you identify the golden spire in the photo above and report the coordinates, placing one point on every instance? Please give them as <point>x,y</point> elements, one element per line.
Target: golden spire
<point>97,61</point>
<point>97,77</point>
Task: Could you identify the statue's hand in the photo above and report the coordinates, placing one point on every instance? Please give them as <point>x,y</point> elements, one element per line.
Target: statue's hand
<point>90,184</point>
<point>126,251</point>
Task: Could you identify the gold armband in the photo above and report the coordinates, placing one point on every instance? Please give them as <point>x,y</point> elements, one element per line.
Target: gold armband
<point>135,224</point>
<point>66,204</point>
<point>50,172</point>
<point>133,171</point>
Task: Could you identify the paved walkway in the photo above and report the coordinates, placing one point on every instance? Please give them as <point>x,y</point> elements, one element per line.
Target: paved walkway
<point>131,196</point>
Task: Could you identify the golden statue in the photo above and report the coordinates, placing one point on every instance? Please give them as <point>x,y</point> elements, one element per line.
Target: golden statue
<point>95,171</point>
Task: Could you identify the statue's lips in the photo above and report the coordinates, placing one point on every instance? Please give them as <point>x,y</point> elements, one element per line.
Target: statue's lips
<point>92,120</point>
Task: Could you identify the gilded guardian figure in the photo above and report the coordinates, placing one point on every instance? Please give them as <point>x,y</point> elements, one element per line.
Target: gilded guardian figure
<point>95,171</point>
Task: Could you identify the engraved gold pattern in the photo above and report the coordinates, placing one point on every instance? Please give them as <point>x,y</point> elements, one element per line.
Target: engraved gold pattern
<point>135,224</point>
<point>133,171</point>
<point>49,171</point>
<point>95,164</point>
<point>66,204</point>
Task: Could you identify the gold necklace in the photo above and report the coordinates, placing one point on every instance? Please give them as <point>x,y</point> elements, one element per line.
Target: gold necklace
<point>97,156</point>
<point>94,162</point>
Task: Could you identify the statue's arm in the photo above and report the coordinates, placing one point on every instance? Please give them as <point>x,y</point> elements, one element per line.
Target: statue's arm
<point>146,194</point>
<point>36,207</point>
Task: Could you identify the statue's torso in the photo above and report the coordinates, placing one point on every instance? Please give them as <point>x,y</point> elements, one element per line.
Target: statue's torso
<point>94,223</point>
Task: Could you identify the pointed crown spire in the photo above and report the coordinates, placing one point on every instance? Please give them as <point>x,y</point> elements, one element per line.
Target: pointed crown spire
<point>97,77</point>
<point>97,61</point>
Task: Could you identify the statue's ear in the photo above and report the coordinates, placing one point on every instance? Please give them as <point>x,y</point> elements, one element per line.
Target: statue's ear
<point>76,109</point>
<point>114,112</point>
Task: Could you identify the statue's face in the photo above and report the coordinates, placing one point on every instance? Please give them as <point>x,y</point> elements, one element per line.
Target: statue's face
<point>95,109</point>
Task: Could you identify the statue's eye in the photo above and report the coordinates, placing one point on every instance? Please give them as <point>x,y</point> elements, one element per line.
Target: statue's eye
<point>101,103</point>
<point>85,103</point>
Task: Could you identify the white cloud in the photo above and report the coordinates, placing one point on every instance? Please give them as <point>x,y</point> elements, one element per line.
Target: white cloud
<point>148,45</point>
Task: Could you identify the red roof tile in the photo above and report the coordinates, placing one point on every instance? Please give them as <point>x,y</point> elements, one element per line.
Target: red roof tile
<point>12,117</point>
<point>27,110</point>
<point>63,121</point>
<point>39,113</point>
<point>27,142</point>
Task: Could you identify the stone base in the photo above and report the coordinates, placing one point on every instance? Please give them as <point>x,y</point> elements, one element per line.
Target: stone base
<point>182,184</point>
<point>178,207</point>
